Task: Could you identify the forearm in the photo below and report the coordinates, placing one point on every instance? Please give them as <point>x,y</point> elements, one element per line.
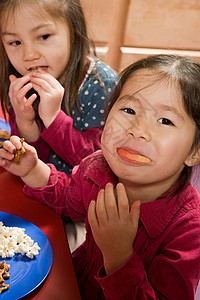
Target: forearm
<point>38,177</point>
<point>57,193</point>
<point>30,131</point>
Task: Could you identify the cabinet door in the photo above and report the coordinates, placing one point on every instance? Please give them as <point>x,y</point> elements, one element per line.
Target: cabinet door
<point>147,27</point>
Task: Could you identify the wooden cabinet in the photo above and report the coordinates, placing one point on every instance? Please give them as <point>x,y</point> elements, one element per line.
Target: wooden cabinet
<point>126,30</point>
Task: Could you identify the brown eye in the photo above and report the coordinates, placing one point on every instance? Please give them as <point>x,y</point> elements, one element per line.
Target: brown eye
<point>15,43</point>
<point>165,121</point>
<point>128,110</point>
<point>44,37</point>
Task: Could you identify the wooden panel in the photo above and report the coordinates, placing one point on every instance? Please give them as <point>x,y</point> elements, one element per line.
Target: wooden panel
<point>150,24</point>
<point>129,58</point>
<point>173,24</point>
<point>98,14</point>
<point>117,30</point>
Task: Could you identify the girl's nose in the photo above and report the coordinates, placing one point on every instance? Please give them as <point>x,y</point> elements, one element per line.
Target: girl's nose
<point>30,53</point>
<point>140,129</point>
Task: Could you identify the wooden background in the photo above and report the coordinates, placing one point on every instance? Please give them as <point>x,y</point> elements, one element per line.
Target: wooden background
<point>126,30</point>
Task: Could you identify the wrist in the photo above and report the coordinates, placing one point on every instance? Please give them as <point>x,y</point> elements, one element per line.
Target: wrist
<point>49,120</point>
<point>29,130</point>
<point>115,261</point>
<point>38,176</point>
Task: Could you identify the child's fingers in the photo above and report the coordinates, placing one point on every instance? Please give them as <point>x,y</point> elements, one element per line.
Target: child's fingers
<point>19,82</point>
<point>24,90</point>
<point>92,218</point>
<point>5,155</point>
<point>111,203</point>
<point>18,145</point>
<point>40,85</point>
<point>19,87</point>
<point>123,207</point>
<point>28,103</point>
<point>44,81</point>
<point>135,212</point>
<point>101,212</point>
<point>9,146</point>
<point>15,140</point>
<point>40,74</point>
<point>122,199</point>
<point>3,162</point>
<point>12,77</point>
<point>15,143</point>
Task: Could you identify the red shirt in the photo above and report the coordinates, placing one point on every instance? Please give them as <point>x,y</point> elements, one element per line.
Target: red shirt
<point>77,144</point>
<point>165,263</point>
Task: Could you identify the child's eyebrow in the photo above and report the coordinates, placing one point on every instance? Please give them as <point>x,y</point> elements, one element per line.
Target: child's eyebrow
<point>127,97</point>
<point>171,109</point>
<point>33,30</point>
<point>8,33</point>
<point>42,26</point>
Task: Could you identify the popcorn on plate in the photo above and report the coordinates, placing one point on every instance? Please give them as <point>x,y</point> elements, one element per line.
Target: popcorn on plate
<point>14,240</point>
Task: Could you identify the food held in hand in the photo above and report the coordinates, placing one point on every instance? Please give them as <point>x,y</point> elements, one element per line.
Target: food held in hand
<point>20,151</point>
<point>133,157</point>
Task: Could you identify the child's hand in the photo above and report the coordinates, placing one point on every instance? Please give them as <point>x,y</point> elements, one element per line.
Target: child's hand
<point>27,161</point>
<point>24,112</point>
<point>114,227</point>
<point>51,94</point>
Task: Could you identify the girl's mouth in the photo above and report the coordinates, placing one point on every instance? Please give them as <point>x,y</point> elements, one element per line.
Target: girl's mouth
<point>132,156</point>
<point>35,69</point>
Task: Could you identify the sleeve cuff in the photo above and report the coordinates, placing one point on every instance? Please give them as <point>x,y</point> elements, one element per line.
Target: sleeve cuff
<point>130,275</point>
<point>57,123</point>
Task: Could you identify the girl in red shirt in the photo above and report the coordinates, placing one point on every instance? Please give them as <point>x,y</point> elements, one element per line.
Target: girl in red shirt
<point>142,215</point>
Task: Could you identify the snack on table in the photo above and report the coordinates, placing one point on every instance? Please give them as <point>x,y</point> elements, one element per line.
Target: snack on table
<point>4,267</point>
<point>4,134</point>
<point>20,151</point>
<point>4,287</point>
<point>14,240</point>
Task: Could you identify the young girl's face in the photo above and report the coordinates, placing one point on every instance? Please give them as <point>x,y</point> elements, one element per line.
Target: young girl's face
<point>148,135</point>
<point>33,39</point>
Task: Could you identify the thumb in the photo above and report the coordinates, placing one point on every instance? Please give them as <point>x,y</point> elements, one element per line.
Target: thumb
<point>12,77</point>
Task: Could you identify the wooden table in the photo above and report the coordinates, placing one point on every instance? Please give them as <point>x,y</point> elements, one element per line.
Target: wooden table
<point>61,282</point>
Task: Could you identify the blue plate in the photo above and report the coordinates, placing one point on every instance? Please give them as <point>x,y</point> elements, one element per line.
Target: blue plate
<point>4,126</point>
<point>26,274</point>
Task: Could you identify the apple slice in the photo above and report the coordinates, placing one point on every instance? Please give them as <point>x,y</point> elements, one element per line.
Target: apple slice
<point>133,157</point>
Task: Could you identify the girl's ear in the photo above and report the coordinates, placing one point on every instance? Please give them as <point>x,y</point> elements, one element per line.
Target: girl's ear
<point>193,159</point>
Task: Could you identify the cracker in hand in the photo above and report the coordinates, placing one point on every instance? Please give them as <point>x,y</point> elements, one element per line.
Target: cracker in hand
<point>20,151</point>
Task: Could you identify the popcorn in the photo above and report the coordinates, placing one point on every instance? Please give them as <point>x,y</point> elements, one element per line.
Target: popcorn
<point>14,240</point>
